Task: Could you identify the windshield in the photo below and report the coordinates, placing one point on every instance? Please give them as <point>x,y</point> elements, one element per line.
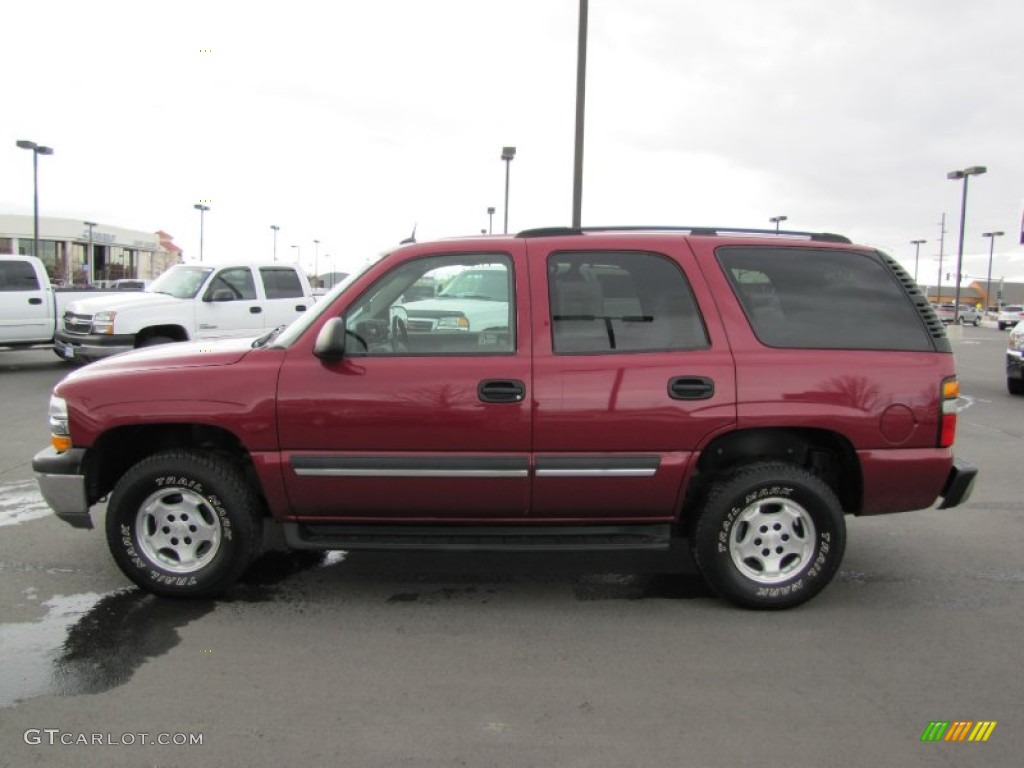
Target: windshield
<point>307,318</point>
<point>181,281</point>
<point>489,284</point>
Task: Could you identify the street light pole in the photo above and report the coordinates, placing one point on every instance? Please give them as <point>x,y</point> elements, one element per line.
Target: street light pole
<point>202,213</point>
<point>91,272</point>
<point>988,283</point>
<point>581,92</point>
<point>298,255</point>
<point>275,228</point>
<point>490,219</point>
<point>917,254</point>
<point>316,263</point>
<point>37,150</point>
<point>507,153</point>
<point>776,220</point>
<point>974,170</point>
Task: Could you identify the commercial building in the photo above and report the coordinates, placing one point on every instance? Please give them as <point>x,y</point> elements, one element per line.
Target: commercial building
<point>65,246</point>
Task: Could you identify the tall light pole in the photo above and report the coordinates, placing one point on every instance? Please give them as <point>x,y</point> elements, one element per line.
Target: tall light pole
<point>581,92</point>
<point>37,150</point>
<point>507,153</point>
<point>275,228</point>
<point>202,212</point>
<point>298,255</point>
<point>91,272</point>
<point>974,170</point>
<point>988,283</point>
<point>490,219</point>
<point>917,254</point>
<point>776,220</point>
<point>316,263</point>
<point>942,254</point>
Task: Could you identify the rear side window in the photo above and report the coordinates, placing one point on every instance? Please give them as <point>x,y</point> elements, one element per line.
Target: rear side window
<point>604,302</point>
<point>281,283</point>
<point>819,298</point>
<point>18,276</point>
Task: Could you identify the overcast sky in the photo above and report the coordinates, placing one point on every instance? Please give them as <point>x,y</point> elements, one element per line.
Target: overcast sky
<point>349,122</point>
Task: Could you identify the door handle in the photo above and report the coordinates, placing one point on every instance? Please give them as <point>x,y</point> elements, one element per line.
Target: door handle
<point>501,391</point>
<point>255,310</point>
<point>300,307</point>
<point>691,388</point>
<point>35,300</point>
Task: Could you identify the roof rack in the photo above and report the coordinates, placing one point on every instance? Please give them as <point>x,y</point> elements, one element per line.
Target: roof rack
<point>827,237</point>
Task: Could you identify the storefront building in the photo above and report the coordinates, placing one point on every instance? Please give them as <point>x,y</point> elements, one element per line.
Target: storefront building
<point>75,253</point>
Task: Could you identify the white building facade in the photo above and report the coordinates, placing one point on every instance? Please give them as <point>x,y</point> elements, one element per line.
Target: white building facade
<point>77,254</point>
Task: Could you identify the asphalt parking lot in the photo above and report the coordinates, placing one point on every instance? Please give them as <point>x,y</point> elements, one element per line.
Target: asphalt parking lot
<point>442,660</point>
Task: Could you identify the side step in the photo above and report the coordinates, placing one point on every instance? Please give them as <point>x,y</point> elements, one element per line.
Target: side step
<point>508,538</point>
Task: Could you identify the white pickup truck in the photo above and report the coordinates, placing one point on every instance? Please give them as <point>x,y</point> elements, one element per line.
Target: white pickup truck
<point>29,304</point>
<point>187,302</point>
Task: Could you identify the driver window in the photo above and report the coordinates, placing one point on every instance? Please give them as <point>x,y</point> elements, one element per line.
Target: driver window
<point>441,305</point>
<point>238,281</point>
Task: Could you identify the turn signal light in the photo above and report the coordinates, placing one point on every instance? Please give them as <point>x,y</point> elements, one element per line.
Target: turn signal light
<point>950,408</point>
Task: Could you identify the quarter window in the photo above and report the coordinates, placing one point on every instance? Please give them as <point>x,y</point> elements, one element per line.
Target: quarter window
<point>621,302</point>
<point>820,298</point>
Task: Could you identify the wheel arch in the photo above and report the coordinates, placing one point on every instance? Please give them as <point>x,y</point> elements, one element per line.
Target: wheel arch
<point>117,450</point>
<point>175,332</point>
<point>827,454</point>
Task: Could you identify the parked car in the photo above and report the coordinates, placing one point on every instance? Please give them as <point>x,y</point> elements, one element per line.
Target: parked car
<point>719,388</point>
<point>1009,316</point>
<point>967,314</point>
<point>1015,361</point>
<point>187,302</point>
<point>30,304</point>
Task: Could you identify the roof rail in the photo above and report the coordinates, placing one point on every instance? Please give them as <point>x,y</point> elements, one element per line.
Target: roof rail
<point>827,237</point>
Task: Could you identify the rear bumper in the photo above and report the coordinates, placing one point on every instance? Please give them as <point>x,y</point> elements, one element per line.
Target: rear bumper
<point>959,484</point>
<point>62,483</point>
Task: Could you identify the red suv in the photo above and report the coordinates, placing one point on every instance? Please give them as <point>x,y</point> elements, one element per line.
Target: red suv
<point>739,389</point>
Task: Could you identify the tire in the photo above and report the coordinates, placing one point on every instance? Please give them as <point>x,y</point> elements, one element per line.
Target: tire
<point>1002,326</point>
<point>1015,386</point>
<point>183,524</point>
<point>152,341</point>
<point>769,536</point>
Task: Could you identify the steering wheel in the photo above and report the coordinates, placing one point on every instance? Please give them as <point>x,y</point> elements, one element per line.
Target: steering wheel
<point>399,332</point>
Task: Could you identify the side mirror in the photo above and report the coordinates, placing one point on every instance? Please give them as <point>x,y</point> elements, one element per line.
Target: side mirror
<point>330,342</point>
<point>221,294</point>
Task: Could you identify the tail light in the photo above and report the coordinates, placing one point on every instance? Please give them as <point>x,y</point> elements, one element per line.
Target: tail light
<point>950,407</point>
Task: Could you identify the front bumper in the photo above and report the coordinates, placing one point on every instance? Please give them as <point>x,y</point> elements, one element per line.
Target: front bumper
<point>92,346</point>
<point>959,484</point>
<point>62,483</point>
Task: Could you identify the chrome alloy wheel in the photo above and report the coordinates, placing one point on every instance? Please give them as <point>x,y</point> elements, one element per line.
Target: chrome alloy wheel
<point>178,530</point>
<point>771,540</point>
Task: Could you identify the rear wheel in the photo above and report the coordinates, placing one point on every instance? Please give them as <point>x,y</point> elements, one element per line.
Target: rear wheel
<point>1015,386</point>
<point>770,536</point>
<point>183,524</point>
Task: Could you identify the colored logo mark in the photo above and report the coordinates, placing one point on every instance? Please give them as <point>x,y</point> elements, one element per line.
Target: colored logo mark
<point>958,730</point>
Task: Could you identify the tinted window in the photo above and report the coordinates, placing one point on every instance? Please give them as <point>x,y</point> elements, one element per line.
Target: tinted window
<point>822,298</point>
<point>281,283</point>
<point>238,281</point>
<point>18,276</point>
<point>621,302</point>
<point>469,314</point>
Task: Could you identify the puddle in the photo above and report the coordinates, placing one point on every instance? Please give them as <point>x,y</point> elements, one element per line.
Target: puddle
<point>89,643</point>
<point>21,502</point>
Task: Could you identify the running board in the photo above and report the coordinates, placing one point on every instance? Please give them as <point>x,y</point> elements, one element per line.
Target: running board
<point>468,538</point>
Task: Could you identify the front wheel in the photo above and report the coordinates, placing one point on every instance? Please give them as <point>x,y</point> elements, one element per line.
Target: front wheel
<point>1015,386</point>
<point>770,536</point>
<point>183,524</point>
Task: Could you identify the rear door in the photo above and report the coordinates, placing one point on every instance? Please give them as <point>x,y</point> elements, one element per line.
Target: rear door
<point>285,298</point>
<point>26,312</point>
<point>632,375</point>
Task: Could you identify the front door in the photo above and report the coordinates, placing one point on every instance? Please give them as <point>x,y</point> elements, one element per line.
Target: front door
<point>427,416</point>
<point>230,306</point>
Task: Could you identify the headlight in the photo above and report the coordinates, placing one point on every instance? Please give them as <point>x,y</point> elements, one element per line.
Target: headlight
<point>103,322</point>
<point>60,429</point>
<point>453,322</point>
